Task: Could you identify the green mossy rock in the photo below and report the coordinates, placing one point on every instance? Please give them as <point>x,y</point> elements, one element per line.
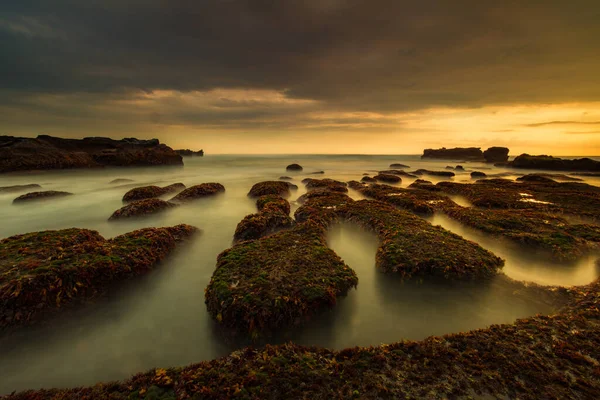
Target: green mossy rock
<point>140,208</point>
<point>273,216</point>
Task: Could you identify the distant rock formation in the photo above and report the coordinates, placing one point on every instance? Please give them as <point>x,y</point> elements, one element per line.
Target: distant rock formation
<point>496,154</point>
<point>554,164</point>
<point>47,152</point>
<point>190,153</point>
<point>491,155</point>
<point>457,153</point>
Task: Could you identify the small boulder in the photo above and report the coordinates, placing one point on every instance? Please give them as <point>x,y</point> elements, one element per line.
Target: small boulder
<point>19,188</point>
<point>149,192</point>
<point>397,165</point>
<point>368,179</point>
<point>198,192</point>
<point>327,184</point>
<point>459,168</point>
<point>140,208</point>
<point>271,188</point>
<point>285,178</point>
<point>477,174</point>
<point>120,180</point>
<point>388,178</point>
<point>41,196</point>
<point>294,167</point>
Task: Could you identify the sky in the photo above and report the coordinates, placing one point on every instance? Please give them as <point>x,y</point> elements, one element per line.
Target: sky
<point>310,76</point>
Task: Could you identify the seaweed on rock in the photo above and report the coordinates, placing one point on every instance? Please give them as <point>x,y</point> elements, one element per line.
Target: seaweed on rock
<point>149,192</point>
<point>36,196</point>
<point>141,208</point>
<point>325,184</point>
<point>198,192</point>
<point>277,281</point>
<point>43,271</point>
<point>273,216</point>
<point>277,188</point>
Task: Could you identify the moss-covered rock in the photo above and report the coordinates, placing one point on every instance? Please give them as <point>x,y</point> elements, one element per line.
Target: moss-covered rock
<point>35,196</point>
<point>277,188</point>
<point>273,216</point>
<point>398,172</point>
<point>398,165</point>
<point>325,184</point>
<point>149,192</point>
<point>277,281</point>
<point>442,174</point>
<point>45,271</point>
<point>368,179</point>
<point>389,178</point>
<point>412,247</point>
<point>198,192</point>
<point>141,208</point>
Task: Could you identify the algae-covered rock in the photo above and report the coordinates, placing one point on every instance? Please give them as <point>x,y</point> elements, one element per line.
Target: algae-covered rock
<point>535,178</point>
<point>389,178</point>
<point>149,192</point>
<point>277,188</point>
<point>398,165</point>
<point>198,192</point>
<point>326,184</point>
<point>44,271</point>
<point>141,208</point>
<point>277,281</point>
<point>368,179</point>
<point>35,196</point>
<point>273,216</point>
<point>412,247</point>
<point>442,174</point>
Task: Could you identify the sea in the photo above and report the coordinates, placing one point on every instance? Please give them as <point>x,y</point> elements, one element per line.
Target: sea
<point>160,320</point>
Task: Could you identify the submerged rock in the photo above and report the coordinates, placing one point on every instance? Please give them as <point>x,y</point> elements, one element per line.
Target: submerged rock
<point>45,271</point>
<point>277,281</point>
<point>477,174</point>
<point>387,178</point>
<point>535,178</point>
<point>398,172</point>
<point>277,188</point>
<point>121,180</point>
<point>149,192</point>
<point>368,179</point>
<point>19,188</point>
<point>444,174</point>
<point>294,167</point>
<point>198,192</point>
<point>47,152</point>
<point>327,184</point>
<point>286,178</point>
<point>459,168</point>
<point>273,216</point>
<point>140,208</point>
<point>398,165</point>
<point>34,196</point>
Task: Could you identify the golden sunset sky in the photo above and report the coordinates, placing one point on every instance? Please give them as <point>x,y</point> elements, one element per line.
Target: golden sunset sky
<point>328,76</point>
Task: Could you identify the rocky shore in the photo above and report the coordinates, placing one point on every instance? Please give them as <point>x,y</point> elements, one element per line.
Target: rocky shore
<point>491,155</point>
<point>554,164</point>
<point>48,152</point>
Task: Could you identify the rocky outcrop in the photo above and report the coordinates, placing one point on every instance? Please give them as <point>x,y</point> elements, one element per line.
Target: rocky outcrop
<point>141,208</point>
<point>190,153</point>
<point>19,188</point>
<point>43,271</point>
<point>277,188</point>
<point>198,192</point>
<point>273,216</point>
<point>496,155</point>
<point>457,153</point>
<point>294,167</point>
<point>34,196</point>
<point>47,152</point>
<point>554,164</point>
<point>149,192</point>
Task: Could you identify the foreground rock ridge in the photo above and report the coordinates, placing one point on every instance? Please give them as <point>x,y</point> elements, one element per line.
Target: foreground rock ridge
<point>48,152</point>
<point>42,272</point>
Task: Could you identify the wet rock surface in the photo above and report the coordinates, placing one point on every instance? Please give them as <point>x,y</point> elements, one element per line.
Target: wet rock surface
<point>47,152</point>
<point>37,196</point>
<point>294,167</point>
<point>198,192</point>
<point>389,178</point>
<point>44,271</point>
<point>327,184</point>
<point>141,208</point>
<point>443,174</point>
<point>273,216</point>
<point>149,192</point>
<point>277,188</point>
<point>121,180</point>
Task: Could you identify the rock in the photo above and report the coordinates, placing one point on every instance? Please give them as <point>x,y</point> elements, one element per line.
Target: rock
<point>425,185</point>
<point>149,192</point>
<point>458,153</point>
<point>44,271</point>
<point>277,281</point>
<point>368,179</point>
<point>477,174</point>
<point>286,178</point>
<point>19,188</point>
<point>190,153</point>
<point>120,180</point>
<point>398,172</point>
<point>397,165</point>
<point>273,216</point>
<point>47,152</point>
<point>198,192</point>
<point>449,167</point>
<point>552,163</point>
<point>316,173</point>
<point>140,208</point>
<point>328,184</point>
<point>459,168</point>
<point>558,177</point>
<point>33,196</point>
<point>389,178</point>
<point>535,178</point>
<point>496,155</point>
<point>271,188</point>
<point>420,202</point>
<point>293,167</point>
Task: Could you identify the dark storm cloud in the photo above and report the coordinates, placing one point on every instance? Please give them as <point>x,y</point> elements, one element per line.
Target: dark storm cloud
<point>382,56</point>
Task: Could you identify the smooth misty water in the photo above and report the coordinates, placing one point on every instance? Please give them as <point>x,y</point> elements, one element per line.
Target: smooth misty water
<point>160,320</point>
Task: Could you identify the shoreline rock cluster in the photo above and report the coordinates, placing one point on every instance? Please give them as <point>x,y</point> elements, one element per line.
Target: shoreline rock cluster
<point>48,152</point>
<point>491,155</point>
